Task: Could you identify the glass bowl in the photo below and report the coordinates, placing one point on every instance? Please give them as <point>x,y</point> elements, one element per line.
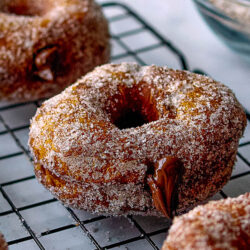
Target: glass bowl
<point>230,20</point>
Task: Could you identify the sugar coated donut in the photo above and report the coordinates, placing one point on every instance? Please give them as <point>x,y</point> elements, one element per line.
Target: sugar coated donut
<point>3,244</point>
<point>45,45</point>
<point>223,225</point>
<point>127,139</point>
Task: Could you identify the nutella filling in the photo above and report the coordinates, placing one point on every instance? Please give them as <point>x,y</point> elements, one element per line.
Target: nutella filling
<point>44,62</point>
<point>163,184</point>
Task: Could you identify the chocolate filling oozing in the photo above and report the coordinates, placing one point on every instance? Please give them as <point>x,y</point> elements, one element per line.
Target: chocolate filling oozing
<point>163,184</point>
<point>44,63</point>
<point>49,63</point>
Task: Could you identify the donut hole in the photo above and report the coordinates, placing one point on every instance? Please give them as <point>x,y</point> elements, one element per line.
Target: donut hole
<point>132,108</point>
<point>25,7</point>
<point>130,119</point>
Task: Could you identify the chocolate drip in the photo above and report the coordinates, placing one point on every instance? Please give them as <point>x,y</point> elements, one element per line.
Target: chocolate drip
<point>163,184</point>
<point>45,61</point>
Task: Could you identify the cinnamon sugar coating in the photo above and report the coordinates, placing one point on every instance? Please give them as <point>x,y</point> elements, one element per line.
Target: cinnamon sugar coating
<point>223,224</point>
<point>45,45</point>
<point>86,161</point>
<point>3,244</point>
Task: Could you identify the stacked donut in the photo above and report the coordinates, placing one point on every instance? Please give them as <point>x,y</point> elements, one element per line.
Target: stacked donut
<point>3,244</point>
<point>45,45</point>
<point>146,140</point>
<point>223,224</point>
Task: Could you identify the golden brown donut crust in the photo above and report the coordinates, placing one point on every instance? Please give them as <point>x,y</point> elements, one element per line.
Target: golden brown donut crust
<point>3,244</point>
<point>45,45</point>
<point>76,144</point>
<point>223,225</point>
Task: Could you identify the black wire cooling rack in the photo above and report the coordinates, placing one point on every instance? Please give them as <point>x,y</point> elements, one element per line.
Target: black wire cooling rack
<point>31,218</point>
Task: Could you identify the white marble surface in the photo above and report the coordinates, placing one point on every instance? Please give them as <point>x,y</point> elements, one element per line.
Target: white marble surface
<point>180,22</point>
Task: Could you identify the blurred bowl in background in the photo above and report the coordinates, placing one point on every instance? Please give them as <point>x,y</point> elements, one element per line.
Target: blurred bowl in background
<point>230,20</point>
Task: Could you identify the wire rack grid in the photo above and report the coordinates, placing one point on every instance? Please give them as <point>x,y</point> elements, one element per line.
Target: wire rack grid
<point>31,218</point>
